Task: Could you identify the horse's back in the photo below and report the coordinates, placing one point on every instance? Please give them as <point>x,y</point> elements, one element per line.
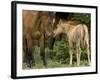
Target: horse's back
<point>29,18</point>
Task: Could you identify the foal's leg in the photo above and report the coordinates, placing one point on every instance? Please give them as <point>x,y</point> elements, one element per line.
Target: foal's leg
<point>70,53</point>
<point>78,55</point>
<point>78,52</point>
<point>71,56</point>
<point>88,53</point>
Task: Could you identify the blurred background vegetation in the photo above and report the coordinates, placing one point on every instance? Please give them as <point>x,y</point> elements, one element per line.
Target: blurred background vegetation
<point>59,56</point>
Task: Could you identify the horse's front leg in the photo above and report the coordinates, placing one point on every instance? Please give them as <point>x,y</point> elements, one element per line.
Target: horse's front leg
<point>42,45</point>
<point>42,50</point>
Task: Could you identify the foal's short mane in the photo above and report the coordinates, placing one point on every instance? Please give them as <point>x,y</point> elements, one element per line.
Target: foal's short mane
<point>70,22</point>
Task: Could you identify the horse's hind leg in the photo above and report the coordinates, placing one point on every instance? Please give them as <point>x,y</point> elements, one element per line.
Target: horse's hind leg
<point>88,54</point>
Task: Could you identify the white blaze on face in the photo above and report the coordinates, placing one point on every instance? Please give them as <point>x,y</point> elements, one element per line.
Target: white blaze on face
<point>53,20</point>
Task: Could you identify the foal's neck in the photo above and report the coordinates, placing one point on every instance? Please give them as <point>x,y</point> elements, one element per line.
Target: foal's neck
<point>67,28</point>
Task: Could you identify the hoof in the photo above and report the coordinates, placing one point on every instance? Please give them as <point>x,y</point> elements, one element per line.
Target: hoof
<point>45,65</point>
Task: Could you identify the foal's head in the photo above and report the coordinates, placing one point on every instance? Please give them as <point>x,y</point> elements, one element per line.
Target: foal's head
<point>64,27</point>
<point>59,29</point>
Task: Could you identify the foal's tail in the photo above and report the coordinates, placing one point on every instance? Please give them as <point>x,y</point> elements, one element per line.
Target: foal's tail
<point>85,36</point>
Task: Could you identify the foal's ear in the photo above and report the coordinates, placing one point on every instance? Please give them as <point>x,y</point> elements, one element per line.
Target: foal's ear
<point>60,21</point>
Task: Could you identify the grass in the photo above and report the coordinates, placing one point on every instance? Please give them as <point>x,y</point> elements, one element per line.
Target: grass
<point>54,64</point>
<point>51,63</point>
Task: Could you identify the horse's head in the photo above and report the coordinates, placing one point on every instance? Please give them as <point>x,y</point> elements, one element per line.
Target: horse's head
<point>49,22</point>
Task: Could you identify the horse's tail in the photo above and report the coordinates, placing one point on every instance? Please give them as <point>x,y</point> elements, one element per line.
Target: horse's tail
<point>85,36</point>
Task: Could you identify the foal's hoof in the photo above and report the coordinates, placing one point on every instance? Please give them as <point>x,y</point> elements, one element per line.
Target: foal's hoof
<point>78,65</point>
<point>89,64</point>
<point>70,65</point>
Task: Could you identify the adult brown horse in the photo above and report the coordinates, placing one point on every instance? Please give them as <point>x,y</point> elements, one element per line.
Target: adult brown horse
<point>30,21</point>
<point>47,21</point>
